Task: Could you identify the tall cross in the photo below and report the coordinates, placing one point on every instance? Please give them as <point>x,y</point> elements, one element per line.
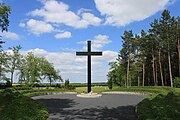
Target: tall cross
<point>89,54</point>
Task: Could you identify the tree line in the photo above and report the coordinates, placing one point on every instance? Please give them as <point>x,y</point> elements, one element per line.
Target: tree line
<point>150,58</point>
<point>28,68</point>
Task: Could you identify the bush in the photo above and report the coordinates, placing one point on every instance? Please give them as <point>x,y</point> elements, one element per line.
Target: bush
<point>176,82</point>
<point>5,85</point>
<point>110,84</point>
<point>66,84</point>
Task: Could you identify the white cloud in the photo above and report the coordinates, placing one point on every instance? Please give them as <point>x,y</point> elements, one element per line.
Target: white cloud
<point>22,25</point>
<point>123,12</point>
<point>38,27</point>
<point>63,35</point>
<point>10,35</point>
<point>58,12</point>
<point>91,19</point>
<point>74,67</point>
<point>83,10</point>
<point>98,42</point>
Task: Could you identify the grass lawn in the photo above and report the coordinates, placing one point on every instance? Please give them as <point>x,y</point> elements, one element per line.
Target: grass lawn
<point>96,89</point>
<point>35,92</point>
<point>15,106</point>
<point>163,104</point>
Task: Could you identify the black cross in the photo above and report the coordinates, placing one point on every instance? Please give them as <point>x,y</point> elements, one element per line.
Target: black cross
<point>89,54</point>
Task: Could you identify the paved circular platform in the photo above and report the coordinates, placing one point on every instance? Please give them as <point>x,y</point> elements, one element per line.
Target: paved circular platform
<point>106,107</point>
<point>89,95</point>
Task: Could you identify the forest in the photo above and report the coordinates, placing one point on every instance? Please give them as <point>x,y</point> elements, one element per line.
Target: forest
<point>149,58</point>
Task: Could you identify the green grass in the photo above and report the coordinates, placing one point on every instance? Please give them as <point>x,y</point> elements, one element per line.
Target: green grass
<point>15,106</point>
<point>96,89</point>
<point>160,107</point>
<point>42,91</point>
<point>163,103</point>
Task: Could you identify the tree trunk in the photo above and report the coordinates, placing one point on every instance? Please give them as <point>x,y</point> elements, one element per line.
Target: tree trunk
<point>127,83</point>
<point>143,73</point>
<point>170,72</point>
<point>0,72</point>
<point>156,74</point>
<point>153,66</point>
<point>50,80</point>
<point>160,67</point>
<point>138,78</point>
<point>178,46</point>
<point>12,74</point>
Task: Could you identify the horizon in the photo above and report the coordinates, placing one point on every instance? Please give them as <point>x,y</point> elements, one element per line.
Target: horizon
<point>57,29</point>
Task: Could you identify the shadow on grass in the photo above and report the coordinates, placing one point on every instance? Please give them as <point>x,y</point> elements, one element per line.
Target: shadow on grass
<point>66,109</point>
<point>162,107</point>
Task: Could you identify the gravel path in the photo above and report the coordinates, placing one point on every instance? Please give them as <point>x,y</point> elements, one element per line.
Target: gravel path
<point>107,107</point>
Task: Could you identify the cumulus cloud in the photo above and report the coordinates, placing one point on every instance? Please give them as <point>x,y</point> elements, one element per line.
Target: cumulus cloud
<point>58,12</point>
<point>91,19</point>
<point>63,35</point>
<point>38,27</point>
<point>10,35</point>
<point>83,10</point>
<point>123,12</point>
<point>98,42</point>
<point>74,67</point>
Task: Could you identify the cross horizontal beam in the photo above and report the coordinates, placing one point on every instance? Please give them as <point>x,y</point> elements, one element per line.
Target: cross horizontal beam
<point>88,53</point>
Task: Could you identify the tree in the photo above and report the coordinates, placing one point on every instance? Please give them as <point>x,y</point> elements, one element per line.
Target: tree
<point>165,22</point>
<point>3,65</point>
<point>4,18</point>
<point>128,49</point>
<point>49,72</point>
<point>34,69</point>
<point>13,61</point>
<point>116,74</point>
<point>153,57</point>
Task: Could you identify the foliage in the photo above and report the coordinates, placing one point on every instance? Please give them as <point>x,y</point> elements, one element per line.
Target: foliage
<point>110,83</point>
<point>49,72</point>
<point>3,65</point>
<point>115,75</point>
<point>15,106</point>
<point>151,58</point>
<point>33,70</point>
<point>176,82</point>
<point>66,84</point>
<point>4,18</point>
<point>13,61</point>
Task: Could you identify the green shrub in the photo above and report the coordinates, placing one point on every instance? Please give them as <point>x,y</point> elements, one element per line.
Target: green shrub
<point>66,83</point>
<point>110,84</point>
<point>176,82</point>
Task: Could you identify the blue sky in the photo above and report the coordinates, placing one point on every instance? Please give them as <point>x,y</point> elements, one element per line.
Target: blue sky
<point>56,29</point>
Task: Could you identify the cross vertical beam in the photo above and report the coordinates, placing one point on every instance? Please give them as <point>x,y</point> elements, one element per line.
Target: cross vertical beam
<point>89,67</point>
<point>89,54</point>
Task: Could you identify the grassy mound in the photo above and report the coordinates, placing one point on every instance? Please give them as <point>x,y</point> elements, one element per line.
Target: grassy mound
<point>15,106</point>
<point>160,107</point>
